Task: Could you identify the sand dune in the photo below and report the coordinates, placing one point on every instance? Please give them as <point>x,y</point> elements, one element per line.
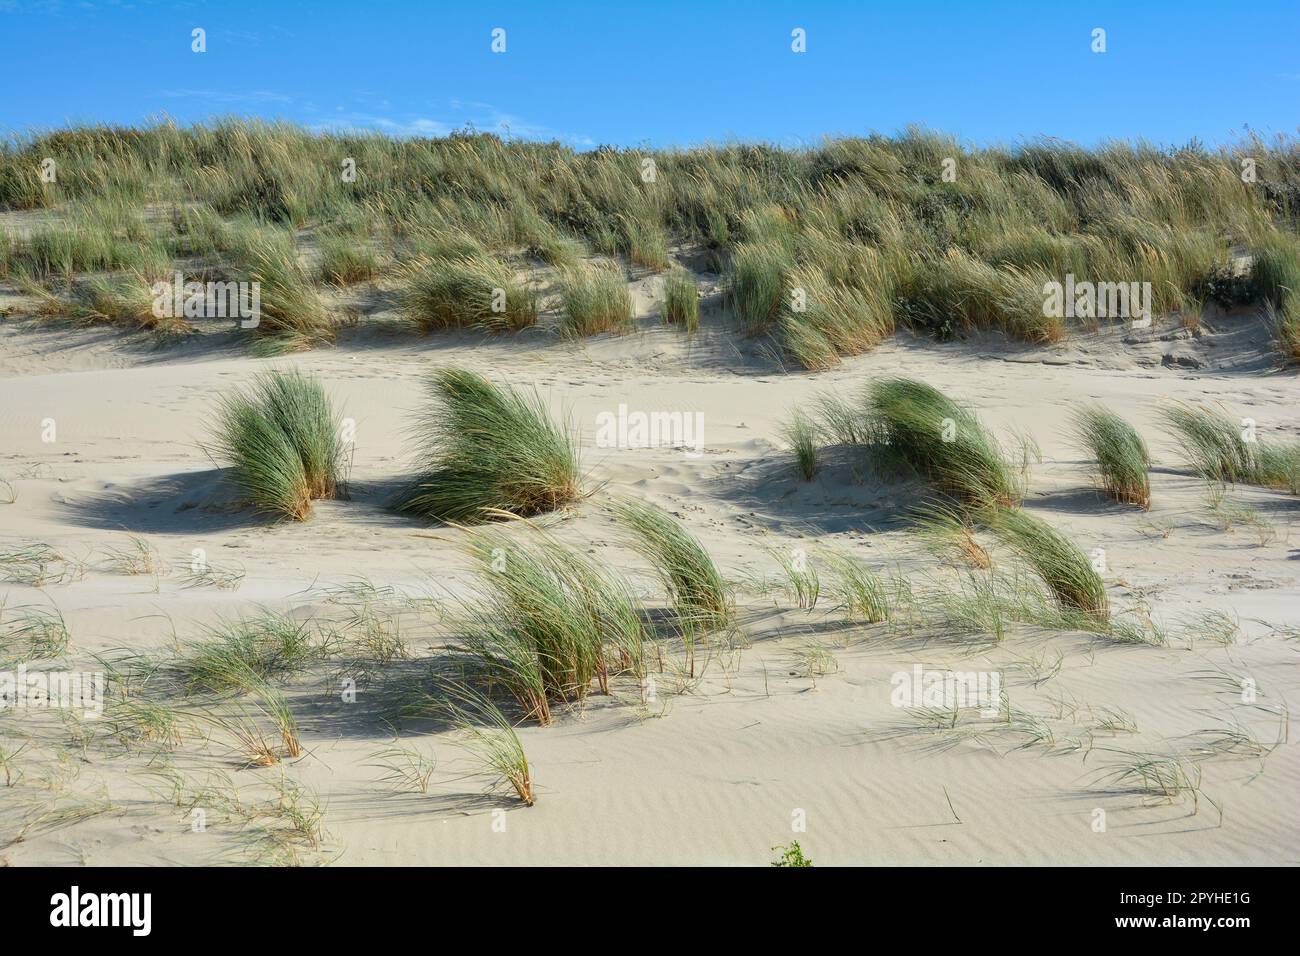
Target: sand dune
<point>772,733</point>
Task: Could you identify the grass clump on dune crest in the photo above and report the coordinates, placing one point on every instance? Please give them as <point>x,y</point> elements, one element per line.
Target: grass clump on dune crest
<point>699,595</point>
<point>1057,560</point>
<point>973,254</point>
<point>489,449</point>
<point>1121,454</point>
<point>917,425</point>
<point>595,299</point>
<point>467,291</point>
<point>282,439</point>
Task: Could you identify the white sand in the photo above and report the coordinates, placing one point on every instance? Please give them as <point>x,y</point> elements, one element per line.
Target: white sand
<point>715,775</point>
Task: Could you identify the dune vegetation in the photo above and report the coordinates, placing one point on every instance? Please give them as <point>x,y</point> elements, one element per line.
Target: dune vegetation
<point>825,250</point>
<point>547,622</point>
<point>488,450</point>
<point>696,589</point>
<point>1228,451</point>
<point>1054,557</point>
<point>1119,451</point>
<point>914,425</point>
<point>282,439</point>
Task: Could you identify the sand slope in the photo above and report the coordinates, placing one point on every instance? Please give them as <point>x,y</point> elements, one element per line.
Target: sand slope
<point>716,774</point>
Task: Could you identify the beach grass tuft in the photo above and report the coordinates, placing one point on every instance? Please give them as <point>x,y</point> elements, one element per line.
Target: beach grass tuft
<point>282,438</point>
<point>489,448</point>
<point>1119,451</point>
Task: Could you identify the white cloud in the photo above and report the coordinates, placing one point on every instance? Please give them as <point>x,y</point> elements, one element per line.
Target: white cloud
<point>481,116</point>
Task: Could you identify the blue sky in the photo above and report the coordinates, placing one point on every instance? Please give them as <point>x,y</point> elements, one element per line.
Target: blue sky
<point>665,73</point>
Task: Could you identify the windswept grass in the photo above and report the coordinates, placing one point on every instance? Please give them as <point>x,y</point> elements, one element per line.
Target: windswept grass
<point>486,734</point>
<point>34,565</point>
<point>467,291</point>
<point>824,319</point>
<point>547,621</point>
<point>1275,267</point>
<point>1121,454</point>
<point>1225,451</point>
<point>30,633</point>
<point>681,301</point>
<point>595,299</point>
<point>865,225</point>
<point>1057,560</point>
<point>646,243</point>
<point>951,532</point>
<point>699,595</point>
<point>242,655</point>
<point>292,315</point>
<point>860,590</point>
<point>137,557</point>
<point>802,435</point>
<point>490,449</point>
<point>259,744</point>
<point>802,582</point>
<point>347,259</point>
<point>282,438</point>
<point>917,425</point>
<point>1212,442</point>
<point>1165,776</point>
<point>85,246</point>
<point>758,283</point>
<point>128,300</point>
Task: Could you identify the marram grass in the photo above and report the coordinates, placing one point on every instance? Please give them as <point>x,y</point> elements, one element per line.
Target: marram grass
<point>681,302</point>
<point>869,214</point>
<point>467,291</point>
<point>292,313</point>
<point>916,424</point>
<point>803,437</point>
<point>282,440</point>
<point>1119,451</point>
<point>1225,450</point>
<point>951,532</point>
<point>1057,560</point>
<point>699,595</point>
<point>489,449</point>
<point>547,621</point>
<point>595,299</point>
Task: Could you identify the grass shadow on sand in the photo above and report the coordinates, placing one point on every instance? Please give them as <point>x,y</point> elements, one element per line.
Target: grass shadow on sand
<point>197,502</point>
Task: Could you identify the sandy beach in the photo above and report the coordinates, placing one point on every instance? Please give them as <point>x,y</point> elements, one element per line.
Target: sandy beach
<point>787,731</point>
